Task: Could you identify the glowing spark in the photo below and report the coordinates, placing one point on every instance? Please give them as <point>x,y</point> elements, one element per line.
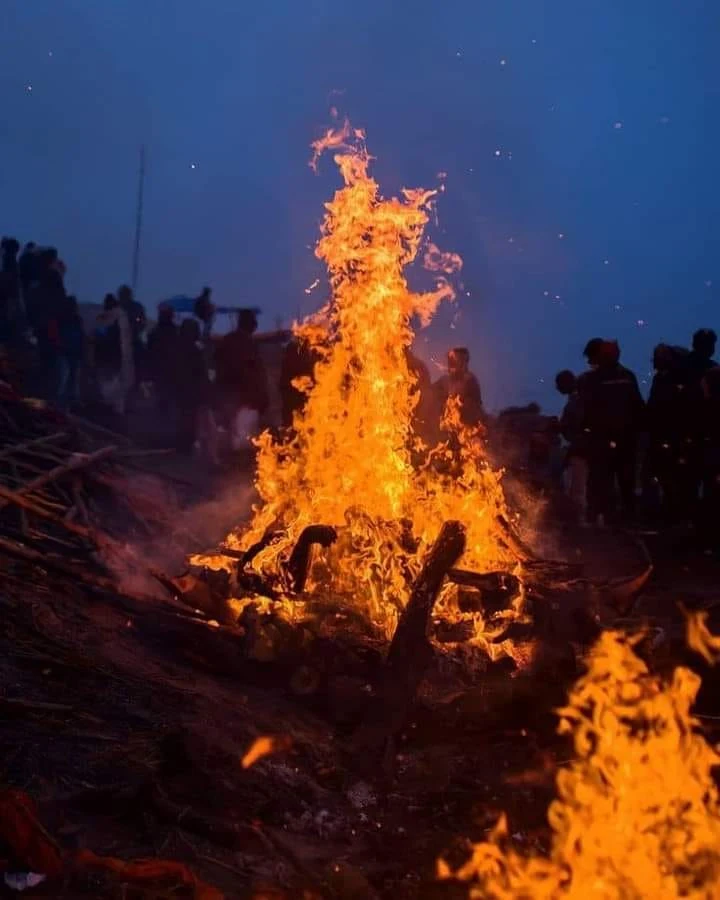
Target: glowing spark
<point>503,62</point>
<point>617,126</point>
<point>641,323</point>
<point>264,746</point>
<point>498,152</point>
<point>561,235</point>
<point>193,165</point>
<point>311,287</point>
<point>606,262</point>
<point>28,88</point>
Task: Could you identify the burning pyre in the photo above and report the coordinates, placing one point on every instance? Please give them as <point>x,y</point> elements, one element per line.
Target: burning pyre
<point>637,813</point>
<point>353,461</point>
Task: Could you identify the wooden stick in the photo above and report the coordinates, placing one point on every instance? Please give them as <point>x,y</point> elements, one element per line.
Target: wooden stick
<point>98,429</point>
<point>410,650</point>
<point>16,498</point>
<point>49,562</point>
<point>79,461</point>
<point>14,449</point>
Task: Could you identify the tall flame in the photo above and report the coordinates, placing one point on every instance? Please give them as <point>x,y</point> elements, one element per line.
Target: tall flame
<point>352,461</point>
<point>637,814</point>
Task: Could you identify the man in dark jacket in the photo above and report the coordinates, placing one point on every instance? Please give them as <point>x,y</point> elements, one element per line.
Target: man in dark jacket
<point>689,420</point>
<point>71,350</point>
<point>462,384</point>
<point>572,430</point>
<point>161,354</point>
<point>666,463</point>
<point>240,372</point>
<point>612,409</point>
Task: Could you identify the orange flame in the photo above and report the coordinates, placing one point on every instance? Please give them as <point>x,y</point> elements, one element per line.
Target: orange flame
<point>263,746</point>
<point>637,813</point>
<point>352,461</point>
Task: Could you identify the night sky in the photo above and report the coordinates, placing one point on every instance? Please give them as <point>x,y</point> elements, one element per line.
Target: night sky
<point>581,142</point>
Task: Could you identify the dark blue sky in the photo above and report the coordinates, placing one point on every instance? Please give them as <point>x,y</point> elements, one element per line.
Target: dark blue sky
<point>605,116</point>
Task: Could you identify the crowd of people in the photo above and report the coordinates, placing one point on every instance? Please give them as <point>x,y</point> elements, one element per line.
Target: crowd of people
<point>200,386</point>
<point>663,454</point>
<point>616,455</point>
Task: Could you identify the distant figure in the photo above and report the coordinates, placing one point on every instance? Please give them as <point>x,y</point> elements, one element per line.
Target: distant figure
<point>298,361</point>
<point>71,350</point>
<point>593,350</point>
<point>204,310</point>
<point>460,383</point>
<point>191,380</point>
<point>134,311</point>
<point>690,419</point>
<point>666,463</point>
<point>161,353</point>
<point>612,411</point>
<point>575,467</point>
<point>114,357</point>
<point>43,307</point>
<point>28,268</point>
<point>10,304</point>
<point>709,513</point>
<point>242,380</point>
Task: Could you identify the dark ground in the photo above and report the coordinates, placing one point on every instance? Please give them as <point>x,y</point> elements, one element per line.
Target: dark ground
<point>126,721</point>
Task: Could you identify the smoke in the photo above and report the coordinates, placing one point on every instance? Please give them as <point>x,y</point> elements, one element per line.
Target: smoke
<point>176,528</point>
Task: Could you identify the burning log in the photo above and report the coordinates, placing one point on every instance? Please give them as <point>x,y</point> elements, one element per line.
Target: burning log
<point>297,566</point>
<point>410,650</point>
<point>487,592</point>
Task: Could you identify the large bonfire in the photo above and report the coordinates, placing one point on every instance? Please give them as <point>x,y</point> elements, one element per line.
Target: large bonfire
<point>354,461</point>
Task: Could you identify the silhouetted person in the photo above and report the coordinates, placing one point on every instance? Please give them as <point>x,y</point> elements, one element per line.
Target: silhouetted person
<point>461,384</point>
<point>204,310</point>
<point>241,379</point>
<point>71,350</point>
<point>161,353</point>
<point>114,357</point>
<point>9,290</point>
<point>665,462</point>
<point>28,267</point>
<point>709,513</point>
<point>191,382</point>
<point>43,307</point>
<point>572,428</point>
<point>612,410</point>
<point>298,361</point>
<point>690,419</point>
<point>137,321</point>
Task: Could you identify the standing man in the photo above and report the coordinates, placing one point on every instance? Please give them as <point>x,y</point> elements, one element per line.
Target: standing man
<point>612,415</point>
<point>242,380</point>
<point>460,383</point>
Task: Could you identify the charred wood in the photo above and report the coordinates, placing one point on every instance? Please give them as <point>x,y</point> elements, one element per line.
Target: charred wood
<point>297,565</point>
<point>410,651</point>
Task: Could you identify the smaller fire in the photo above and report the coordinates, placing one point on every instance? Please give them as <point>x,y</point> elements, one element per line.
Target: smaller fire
<point>638,813</point>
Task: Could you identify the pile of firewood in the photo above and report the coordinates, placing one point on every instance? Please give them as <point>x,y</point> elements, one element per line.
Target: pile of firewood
<point>71,490</point>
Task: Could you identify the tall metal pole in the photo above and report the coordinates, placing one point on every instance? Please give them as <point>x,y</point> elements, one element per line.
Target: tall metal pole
<point>138,221</point>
